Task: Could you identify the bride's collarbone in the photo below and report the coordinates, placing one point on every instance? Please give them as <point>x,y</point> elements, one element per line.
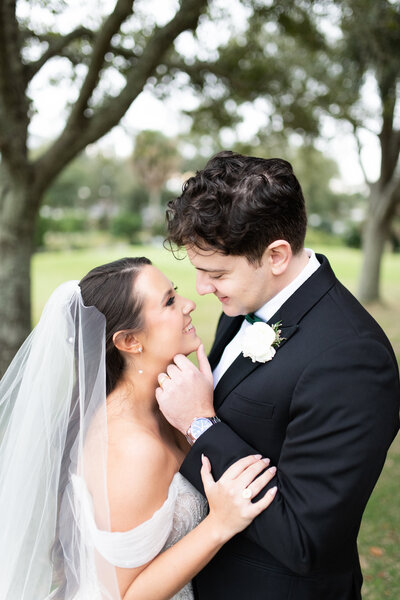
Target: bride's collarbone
<point>133,432</point>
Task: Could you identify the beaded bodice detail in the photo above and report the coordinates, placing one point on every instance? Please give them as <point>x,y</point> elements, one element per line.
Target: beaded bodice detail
<point>190,509</point>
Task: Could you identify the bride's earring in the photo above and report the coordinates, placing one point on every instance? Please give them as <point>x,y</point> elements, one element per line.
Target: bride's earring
<point>140,349</point>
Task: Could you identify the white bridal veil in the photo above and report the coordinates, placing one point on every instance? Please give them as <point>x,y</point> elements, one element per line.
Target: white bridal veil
<point>53,450</point>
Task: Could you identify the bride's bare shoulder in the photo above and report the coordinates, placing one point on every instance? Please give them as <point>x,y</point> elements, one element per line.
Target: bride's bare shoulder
<point>139,475</point>
<point>136,445</point>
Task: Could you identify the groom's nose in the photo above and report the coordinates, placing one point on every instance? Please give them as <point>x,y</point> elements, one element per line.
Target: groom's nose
<point>203,284</point>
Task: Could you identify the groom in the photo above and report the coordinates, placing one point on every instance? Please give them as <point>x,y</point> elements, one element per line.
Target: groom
<point>324,408</point>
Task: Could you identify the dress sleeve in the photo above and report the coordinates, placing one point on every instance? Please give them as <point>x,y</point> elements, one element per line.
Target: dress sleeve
<point>126,549</point>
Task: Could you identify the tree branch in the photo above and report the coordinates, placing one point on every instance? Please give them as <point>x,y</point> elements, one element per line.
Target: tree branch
<point>195,68</point>
<point>161,40</point>
<point>389,197</point>
<point>396,142</point>
<point>122,10</point>
<point>124,52</point>
<point>359,148</point>
<point>81,130</point>
<point>56,47</point>
<point>388,135</point>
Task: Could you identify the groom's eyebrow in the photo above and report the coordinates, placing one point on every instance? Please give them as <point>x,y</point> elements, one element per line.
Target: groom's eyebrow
<point>212,270</point>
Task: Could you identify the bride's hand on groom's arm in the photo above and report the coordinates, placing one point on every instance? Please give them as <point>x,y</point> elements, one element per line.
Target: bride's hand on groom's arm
<point>187,392</point>
<point>230,512</point>
<point>230,497</point>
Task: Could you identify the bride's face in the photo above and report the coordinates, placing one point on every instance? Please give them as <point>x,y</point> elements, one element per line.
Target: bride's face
<point>168,328</point>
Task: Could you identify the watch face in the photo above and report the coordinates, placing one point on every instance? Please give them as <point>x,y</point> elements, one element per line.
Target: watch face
<point>199,426</point>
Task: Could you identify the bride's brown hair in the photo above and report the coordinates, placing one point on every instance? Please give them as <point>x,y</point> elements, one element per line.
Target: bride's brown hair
<point>110,288</point>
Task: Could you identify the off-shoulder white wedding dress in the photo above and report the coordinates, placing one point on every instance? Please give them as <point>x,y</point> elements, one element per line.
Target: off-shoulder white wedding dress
<point>183,509</point>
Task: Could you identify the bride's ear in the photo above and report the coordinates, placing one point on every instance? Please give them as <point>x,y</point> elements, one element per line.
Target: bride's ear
<point>125,341</point>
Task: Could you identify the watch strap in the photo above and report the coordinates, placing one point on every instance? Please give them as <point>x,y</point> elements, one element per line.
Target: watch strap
<point>203,423</point>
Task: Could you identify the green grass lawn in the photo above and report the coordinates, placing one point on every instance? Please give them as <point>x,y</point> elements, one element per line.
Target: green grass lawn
<point>379,539</point>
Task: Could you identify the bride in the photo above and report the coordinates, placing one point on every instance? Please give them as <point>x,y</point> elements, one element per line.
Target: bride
<point>92,504</point>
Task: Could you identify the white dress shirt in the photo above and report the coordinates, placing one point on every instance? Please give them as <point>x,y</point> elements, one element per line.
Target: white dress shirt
<point>233,349</point>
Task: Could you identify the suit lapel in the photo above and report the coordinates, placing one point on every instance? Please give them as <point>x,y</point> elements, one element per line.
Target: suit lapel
<point>227,329</point>
<point>290,315</point>
<point>241,368</point>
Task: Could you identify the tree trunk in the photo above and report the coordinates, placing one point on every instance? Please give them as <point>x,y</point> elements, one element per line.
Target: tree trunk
<point>17,226</point>
<point>375,234</point>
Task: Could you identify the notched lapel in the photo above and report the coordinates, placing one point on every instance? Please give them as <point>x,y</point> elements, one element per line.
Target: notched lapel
<point>227,330</point>
<point>286,333</point>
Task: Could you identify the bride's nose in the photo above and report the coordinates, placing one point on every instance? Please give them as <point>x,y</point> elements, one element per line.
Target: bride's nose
<point>188,306</point>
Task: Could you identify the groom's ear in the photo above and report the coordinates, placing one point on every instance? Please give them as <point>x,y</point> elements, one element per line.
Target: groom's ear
<point>279,254</point>
<point>125,341</point>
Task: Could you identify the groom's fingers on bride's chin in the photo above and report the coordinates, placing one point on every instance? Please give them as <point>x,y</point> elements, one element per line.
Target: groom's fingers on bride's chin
<point>172,371</point>
<point>204,365</point>
<point>182,362</point>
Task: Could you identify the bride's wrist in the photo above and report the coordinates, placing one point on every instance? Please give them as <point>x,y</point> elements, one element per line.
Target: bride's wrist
<point>219,533</point>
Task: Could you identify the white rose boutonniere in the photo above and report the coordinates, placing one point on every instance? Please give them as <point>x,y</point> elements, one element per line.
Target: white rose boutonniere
<point>259,341</point>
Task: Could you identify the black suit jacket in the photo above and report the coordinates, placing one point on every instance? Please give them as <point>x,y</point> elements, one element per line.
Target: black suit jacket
<point>325,410</point>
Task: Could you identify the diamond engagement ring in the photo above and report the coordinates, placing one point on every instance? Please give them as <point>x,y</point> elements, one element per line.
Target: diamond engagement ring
<point>247,493</point>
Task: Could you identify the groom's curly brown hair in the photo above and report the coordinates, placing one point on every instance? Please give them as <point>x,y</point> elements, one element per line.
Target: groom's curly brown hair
<point>239,205</point>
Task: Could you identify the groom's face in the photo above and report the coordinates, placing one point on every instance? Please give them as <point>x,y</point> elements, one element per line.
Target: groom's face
<point>240,286</point>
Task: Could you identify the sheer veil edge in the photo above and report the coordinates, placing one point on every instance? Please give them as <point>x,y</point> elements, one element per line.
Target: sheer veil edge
<point>53,426</point>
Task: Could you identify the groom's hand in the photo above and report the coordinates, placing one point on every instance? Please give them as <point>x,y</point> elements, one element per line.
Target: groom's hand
<point>186,392</point>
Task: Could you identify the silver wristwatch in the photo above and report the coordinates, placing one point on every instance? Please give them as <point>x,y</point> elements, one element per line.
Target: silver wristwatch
<point>198,426</point>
